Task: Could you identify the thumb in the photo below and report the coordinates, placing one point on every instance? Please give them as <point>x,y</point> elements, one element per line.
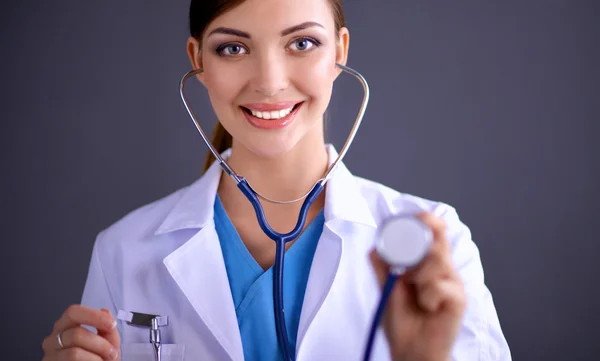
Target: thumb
<point>112,336</point>
<point>380,267</point>
<point>400,298</point>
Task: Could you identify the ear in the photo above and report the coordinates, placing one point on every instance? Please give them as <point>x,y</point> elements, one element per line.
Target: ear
<point>195,55</point>
<point>341,48</point>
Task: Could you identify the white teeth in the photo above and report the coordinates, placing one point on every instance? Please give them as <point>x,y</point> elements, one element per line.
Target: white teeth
<point>275,114</point>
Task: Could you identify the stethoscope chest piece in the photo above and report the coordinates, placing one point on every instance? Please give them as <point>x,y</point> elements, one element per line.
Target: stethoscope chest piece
<point>403,241</point>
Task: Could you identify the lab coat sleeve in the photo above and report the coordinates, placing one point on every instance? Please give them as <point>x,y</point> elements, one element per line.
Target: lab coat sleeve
<point>96,293</point>
<point>480,337</point>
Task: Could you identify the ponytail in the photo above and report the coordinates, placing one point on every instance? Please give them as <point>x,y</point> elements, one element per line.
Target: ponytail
<point>221,141</point>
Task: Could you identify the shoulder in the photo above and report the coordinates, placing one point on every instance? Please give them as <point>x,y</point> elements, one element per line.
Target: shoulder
<point>140,223</point>
<point>384,201</point>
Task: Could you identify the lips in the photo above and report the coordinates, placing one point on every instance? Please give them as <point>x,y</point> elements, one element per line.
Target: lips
<point>270,106</point>
<point>271,116</point>
<point>271,111</point>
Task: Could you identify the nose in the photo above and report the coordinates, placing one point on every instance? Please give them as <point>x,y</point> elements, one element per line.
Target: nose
<point>270,75</point>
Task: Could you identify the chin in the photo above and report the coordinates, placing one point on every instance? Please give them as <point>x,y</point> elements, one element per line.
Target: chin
<point>270,148</point>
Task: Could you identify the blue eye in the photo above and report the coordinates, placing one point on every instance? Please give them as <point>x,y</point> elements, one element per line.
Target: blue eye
<point>303,44</point>
<point>298,45</point>
<point>230,49</point>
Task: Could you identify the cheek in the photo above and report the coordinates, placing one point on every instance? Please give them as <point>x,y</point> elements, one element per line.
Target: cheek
<point>223,82</point>
<point>316,78</point>
<point>221,88</point>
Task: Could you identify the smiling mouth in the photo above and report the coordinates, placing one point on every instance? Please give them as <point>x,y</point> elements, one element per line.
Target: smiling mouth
<point>273,114</point>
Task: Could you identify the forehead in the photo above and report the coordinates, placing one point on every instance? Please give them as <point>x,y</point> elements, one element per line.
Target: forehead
<point>265,17</point>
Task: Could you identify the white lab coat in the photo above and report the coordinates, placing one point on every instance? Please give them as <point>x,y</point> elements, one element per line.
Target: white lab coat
<point>164,258</point>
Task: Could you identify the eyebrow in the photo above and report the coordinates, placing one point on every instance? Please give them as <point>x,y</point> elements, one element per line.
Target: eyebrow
<point>284,32</point>
<point>304,25</point>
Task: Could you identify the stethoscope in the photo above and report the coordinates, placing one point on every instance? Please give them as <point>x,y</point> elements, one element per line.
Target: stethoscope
<point>399,255</point>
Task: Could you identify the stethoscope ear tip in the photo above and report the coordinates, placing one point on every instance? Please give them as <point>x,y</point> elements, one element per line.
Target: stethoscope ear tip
<point>403,241</point>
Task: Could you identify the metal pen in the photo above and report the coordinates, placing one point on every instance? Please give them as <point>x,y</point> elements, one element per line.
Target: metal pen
<point>155,338</point>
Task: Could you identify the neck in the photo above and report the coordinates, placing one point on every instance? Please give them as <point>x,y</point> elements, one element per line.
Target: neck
<point>284,178</point>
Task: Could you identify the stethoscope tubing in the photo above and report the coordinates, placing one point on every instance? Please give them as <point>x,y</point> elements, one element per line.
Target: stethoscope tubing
<point>385,295</point>
<point>280,242</point>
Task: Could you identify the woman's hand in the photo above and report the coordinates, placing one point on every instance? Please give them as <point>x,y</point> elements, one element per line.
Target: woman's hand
<point>425,308</point>
<point>79,344</point>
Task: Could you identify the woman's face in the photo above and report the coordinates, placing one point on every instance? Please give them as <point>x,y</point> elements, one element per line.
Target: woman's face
<point>269,67</point>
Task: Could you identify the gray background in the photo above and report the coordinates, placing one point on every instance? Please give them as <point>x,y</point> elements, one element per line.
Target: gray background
<point>490,106</point>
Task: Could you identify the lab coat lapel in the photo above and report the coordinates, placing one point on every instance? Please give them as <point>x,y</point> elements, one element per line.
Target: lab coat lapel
<point>345,210</point>
<point>322,274</point>
<point>198,267</point>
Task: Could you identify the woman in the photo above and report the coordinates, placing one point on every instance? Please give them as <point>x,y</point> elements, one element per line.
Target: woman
<point>199,257</point>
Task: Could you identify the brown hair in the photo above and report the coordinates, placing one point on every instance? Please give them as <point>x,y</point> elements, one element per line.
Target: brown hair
<point>202,12</point>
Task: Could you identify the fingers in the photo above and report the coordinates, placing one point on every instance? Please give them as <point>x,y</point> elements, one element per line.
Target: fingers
<point>77,342</point>
<point>112,335</point>
<point>442,295</point>
<point>436,224</point>
<point>437,282</point>
<point>76,315</point>
<point>80,338</point>
<point>437,264</point>
<point>77,354</point>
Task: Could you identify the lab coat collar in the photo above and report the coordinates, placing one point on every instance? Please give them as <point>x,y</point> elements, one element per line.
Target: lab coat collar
<point>343,199</point>
<point>195,208</point>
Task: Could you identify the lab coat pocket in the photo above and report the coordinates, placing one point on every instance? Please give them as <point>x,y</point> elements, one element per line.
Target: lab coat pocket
<point>145,352</point>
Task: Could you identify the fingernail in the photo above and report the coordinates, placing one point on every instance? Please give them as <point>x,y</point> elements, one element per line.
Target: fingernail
<point>113,354</point>
<point>112,324</point>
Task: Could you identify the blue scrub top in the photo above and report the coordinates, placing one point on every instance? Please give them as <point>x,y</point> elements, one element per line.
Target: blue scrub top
<point>252,287</point>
